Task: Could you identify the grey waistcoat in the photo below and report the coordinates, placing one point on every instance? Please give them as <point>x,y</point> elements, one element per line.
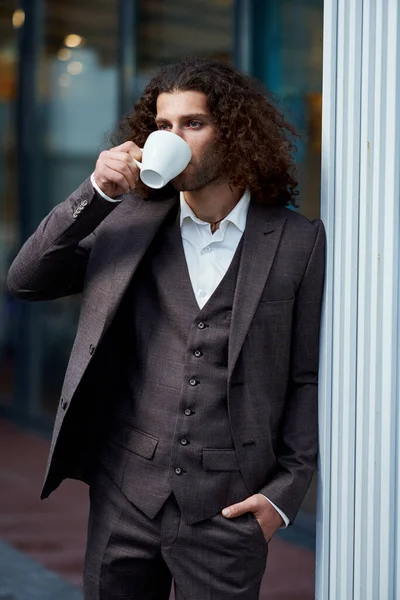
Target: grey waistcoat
<point>171,432</point>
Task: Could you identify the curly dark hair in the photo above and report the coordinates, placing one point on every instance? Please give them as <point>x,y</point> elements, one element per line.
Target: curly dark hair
<point>254,139</point>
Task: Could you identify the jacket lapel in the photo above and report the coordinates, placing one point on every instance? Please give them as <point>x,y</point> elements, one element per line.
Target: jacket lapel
<point>261,238</point>
<point>140,221</point>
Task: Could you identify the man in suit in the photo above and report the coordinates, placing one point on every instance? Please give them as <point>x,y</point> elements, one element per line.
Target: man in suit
<point>190,400</point>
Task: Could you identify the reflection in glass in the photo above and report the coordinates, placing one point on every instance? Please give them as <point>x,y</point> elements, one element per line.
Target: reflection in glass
<point>289,62</point>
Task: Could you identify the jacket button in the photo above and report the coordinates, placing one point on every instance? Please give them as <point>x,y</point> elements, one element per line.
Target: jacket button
<point>193,381</point>
<point>64,404</point>
<point>197,353</point>
<point>201,325</point>
<point>184,441</point>
<point>91,349</point>
<point>188,412</point>
<point>178,471</point>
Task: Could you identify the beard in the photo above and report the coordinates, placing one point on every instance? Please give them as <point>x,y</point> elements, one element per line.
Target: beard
<point>207,169</point>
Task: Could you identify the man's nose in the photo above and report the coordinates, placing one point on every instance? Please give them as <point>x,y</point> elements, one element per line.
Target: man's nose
<point>178,130</point>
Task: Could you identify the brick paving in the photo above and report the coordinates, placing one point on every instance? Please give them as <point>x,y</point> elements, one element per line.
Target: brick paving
<point>53,532</point>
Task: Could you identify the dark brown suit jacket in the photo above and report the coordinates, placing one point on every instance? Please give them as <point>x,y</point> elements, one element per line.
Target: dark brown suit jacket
<point>89,245</point>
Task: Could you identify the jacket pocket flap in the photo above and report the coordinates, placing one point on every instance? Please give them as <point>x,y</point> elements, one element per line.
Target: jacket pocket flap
<point>136,441</point>
<point>220,460</point>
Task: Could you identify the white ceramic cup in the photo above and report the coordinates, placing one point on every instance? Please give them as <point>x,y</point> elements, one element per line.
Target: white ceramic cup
<point>165,155</point>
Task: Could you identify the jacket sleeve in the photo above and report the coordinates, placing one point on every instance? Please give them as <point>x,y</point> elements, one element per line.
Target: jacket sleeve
<point>298,441</point>
<point>52,262</point>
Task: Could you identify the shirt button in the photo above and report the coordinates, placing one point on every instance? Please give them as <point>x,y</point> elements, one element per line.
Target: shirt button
<point>207,249</point>
<point>193,381</point>
<point>197,353</point>
<point>188,412</point>
<point>178,471</point>
<point>202,294</point>
<point>184,441</point>
<point>201,325</point>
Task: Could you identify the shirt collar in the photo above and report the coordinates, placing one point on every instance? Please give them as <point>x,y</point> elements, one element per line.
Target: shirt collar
<point>237,216</point>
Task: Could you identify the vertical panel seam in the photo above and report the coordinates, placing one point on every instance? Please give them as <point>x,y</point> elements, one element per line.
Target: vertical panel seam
<point>357,289</point>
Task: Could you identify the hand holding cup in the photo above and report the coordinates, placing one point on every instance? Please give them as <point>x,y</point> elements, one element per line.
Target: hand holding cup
<point>116,172</point>
<point>165,155</point>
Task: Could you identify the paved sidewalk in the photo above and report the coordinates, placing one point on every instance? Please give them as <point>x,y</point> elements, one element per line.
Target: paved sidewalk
<point>52,533</point>
<point>23,579</point>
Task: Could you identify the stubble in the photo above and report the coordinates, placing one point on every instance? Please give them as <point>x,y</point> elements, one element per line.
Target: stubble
<point>209,169</point>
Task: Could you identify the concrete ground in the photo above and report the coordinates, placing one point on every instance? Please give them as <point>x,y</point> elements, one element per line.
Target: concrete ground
<point>42,542</point>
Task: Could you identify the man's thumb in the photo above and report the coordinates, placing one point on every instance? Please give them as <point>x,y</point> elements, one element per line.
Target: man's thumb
<point>235,510</point>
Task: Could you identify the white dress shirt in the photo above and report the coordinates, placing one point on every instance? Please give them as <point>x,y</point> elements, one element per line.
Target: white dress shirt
<point>208,255</point>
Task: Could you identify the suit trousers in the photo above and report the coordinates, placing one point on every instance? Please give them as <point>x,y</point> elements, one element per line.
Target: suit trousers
<point>132,557</point>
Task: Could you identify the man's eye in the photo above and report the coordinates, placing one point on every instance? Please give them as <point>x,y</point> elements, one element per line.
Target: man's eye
<point>195,124</point>
<point>163,126</point>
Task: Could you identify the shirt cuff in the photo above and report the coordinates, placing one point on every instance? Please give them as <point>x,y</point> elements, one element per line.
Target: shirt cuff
<point>102,194</point>
<point>284,517</point>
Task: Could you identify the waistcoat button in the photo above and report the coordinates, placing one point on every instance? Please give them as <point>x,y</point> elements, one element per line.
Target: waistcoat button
<point>188,412</point>
<point>184,442</point>
<point>193,381</point>
<point>197,353</point>
<point>178,471</point>
<point>201,325</point>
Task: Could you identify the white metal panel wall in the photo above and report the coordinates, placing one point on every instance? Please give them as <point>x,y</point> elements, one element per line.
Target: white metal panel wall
<point>358,531</point>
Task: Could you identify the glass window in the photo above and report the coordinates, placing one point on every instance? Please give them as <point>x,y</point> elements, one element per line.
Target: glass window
<point>172,29</point>
<point>288,59</point>
<point>78,108</point>
<point>79,89</point>
<point>10,20</point>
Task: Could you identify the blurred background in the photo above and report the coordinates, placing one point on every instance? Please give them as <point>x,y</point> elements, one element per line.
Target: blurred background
<point>68,71</point>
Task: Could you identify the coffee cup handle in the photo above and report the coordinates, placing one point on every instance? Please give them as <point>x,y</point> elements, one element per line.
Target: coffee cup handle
<point>138,164</point>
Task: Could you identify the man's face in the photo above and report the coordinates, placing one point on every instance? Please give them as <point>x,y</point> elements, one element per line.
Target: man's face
<point>186,114</point>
